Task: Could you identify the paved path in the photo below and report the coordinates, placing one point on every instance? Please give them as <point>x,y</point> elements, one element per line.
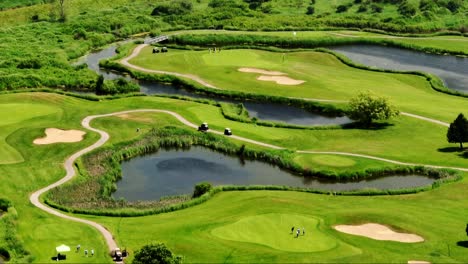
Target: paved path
<point>70,171</point>
<point>138,49</point>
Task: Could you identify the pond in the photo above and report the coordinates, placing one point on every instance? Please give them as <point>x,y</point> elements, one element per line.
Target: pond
<point>452,70</point>
<point>263,111</point>
<point>175,172</point>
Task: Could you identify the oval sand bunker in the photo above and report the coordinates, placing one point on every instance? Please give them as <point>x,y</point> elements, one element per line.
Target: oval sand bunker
<point>379,232</point>
<point>54,135</point>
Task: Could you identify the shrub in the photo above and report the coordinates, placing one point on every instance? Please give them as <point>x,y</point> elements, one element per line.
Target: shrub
<point>407,8</point>
<point>4,254</point>
<point>454,5</point>
<point>341,8</point>
<point>201,188</point>
<point>310,10</point>
<point>175,7</point>
<point>366,107</point>
<point>4,204</point>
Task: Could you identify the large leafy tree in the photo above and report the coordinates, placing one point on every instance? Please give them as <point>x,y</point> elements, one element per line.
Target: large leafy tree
<point>367,107</point>
<point>155,254</point>
<point>458,131</point>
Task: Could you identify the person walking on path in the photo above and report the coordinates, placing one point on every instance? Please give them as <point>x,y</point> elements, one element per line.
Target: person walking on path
<point>298,232</point>
<point>292,229</point>
<point>303,231</point>
<point>86,252</point>
<point>92,252</point>
<point>78,248</point>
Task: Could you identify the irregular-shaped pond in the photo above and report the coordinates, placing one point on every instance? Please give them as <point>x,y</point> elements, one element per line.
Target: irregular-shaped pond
<point>175,172</point>
<point>452,70</point>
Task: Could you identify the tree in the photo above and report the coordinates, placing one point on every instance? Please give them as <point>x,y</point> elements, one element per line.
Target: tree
<point>310,10</point>
<point>62,9</point>
<point>99,89</point>
<point>458,131</point>
<point>367,107</point>
<point>156,254</point>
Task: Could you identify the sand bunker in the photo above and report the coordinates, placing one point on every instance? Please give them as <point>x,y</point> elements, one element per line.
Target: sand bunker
<point>54,135</point>
<point>418,262</point>
<point>255,70</point>
<point>379,232</point>
<point>283,80</point>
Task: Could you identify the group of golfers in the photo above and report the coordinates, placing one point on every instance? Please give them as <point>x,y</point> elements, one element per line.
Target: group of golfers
<point>298,231</point>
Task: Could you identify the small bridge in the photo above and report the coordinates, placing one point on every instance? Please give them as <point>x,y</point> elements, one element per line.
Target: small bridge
<point>156,39</point>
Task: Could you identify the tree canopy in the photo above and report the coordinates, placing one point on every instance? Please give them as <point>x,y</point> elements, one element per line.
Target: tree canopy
<point>155,254</point>
<point>367,107</point>
<point>458,130</point>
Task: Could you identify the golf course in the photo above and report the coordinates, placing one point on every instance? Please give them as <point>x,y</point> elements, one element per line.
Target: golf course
<point>330,160</point>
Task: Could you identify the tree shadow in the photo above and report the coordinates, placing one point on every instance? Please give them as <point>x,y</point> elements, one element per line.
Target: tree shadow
<point>462,244</point>
<point>449,149</point>
<point>373,126</point>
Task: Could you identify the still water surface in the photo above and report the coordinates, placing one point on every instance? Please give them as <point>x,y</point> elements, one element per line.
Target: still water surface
<point>452,70</point>
<point>175,172</point>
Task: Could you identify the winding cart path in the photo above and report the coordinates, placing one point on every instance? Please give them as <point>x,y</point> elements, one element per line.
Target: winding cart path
<point>137,50</point>
<point>104,137</point>
<point>70,170</point>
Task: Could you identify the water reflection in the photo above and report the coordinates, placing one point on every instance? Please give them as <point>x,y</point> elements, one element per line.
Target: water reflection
<point>173,172</point>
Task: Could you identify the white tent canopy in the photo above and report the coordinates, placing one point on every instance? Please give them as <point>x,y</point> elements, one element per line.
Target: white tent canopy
<point>62,248</point>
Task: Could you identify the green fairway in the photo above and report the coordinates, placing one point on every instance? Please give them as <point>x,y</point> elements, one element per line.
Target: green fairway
<point>13,113</point>
<point>217,231</point>
<point>338,163</point>
<point>272,230</point>
<point>325,78</point>
<point>184,230</point>
<point>40,39</point>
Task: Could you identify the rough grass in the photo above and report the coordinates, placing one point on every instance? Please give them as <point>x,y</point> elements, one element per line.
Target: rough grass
<point>452,43</point>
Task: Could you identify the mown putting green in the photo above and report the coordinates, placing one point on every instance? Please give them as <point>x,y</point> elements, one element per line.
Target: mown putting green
<point>273,230</point>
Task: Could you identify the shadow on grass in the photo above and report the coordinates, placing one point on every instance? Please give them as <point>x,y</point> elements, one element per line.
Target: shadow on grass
<point>462,244</point>
<point>449,149</point>
<point>464,155</point>
<point>373,126</point>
